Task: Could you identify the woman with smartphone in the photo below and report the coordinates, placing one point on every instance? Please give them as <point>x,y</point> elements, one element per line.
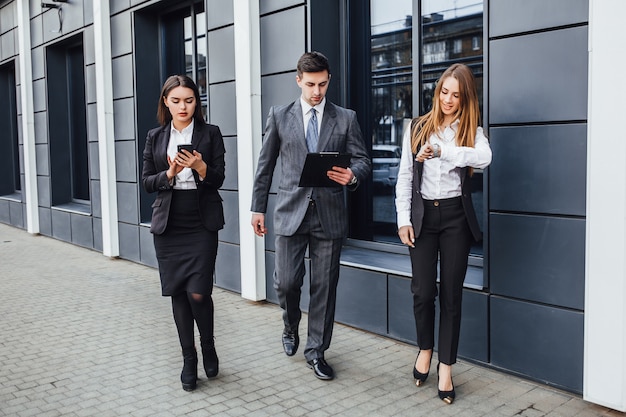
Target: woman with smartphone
<point>183,162</point>
<point>436,219</point>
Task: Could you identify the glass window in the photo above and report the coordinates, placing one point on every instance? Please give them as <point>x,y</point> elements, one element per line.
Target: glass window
<point>449,31</point>
<point>9,148</point>
<point>67,123</point>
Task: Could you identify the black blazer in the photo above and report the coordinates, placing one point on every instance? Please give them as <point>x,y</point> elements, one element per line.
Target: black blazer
<point>206,139</point>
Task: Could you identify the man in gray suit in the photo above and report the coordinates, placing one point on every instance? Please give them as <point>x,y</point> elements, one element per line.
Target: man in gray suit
<point>316,217</point>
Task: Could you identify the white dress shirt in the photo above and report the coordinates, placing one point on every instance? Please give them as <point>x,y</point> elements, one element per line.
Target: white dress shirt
<point>440,176</point>
<point>306,113</point>
<point>184,179</point>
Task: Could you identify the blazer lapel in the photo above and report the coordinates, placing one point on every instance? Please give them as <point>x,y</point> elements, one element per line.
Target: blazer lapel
<point>296,124</point>
<point>329,120</point>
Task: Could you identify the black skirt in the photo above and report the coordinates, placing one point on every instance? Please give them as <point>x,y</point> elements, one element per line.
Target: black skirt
<point>186,251</point>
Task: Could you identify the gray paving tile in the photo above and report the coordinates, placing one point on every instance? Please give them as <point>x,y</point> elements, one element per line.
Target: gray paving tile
<point>85,335</point>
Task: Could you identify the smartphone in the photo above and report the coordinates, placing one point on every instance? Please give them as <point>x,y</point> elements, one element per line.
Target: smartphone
<point>188,148</point>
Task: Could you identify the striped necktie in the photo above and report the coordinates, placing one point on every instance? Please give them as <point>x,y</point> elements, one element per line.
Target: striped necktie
<point>311,132</point>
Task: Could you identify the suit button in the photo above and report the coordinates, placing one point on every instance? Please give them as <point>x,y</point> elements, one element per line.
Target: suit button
<point>436,203</point>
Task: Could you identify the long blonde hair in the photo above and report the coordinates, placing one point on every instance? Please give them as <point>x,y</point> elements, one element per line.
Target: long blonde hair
<point>468,112</point>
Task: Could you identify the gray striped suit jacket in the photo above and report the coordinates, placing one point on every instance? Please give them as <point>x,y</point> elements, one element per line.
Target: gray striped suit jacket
<point>284,137</point>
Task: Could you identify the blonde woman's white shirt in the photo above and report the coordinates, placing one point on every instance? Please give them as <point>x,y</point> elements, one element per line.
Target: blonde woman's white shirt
<point>440,176</point>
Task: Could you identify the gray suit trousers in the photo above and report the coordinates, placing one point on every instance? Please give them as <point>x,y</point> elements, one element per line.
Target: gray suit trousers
<point>324,275</point>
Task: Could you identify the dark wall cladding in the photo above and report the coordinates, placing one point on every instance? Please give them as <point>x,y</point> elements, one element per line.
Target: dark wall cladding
<point>542,342</point>
<point>539,169</point>
<point>508,17</point>
<point>537,258</point>
<point>541,77</point>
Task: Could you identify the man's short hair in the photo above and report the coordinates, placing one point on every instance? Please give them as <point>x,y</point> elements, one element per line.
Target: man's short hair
<point>312,62</point>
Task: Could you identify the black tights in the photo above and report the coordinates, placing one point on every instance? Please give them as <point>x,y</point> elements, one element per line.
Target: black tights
<point>188,307</point>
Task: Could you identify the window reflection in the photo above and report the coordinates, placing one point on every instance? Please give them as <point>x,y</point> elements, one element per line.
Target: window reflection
<point>450,31</point>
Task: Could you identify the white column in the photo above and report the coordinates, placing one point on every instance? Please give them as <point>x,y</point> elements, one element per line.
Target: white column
<point>249,136</point>
<point>106,138</point>
<point>604,380</point>
<point>28,117</point>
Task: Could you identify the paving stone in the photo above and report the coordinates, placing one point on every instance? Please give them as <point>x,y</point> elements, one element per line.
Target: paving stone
<point>86,335</point>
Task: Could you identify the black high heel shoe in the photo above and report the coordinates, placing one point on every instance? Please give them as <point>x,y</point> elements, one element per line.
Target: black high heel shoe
<point>445,396</point>
<point>420,378</point>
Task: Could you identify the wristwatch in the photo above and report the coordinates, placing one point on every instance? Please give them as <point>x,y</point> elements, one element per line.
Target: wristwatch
<point>353,180</point>
<point>436,150</point>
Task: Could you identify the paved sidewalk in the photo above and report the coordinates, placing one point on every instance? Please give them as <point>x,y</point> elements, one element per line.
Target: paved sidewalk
<point>85,335</point>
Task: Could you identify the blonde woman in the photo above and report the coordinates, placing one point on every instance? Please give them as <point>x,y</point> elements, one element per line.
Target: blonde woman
<point>436,219</point>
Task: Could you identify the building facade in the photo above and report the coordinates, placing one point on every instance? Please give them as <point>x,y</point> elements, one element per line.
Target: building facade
<point>545,291</point>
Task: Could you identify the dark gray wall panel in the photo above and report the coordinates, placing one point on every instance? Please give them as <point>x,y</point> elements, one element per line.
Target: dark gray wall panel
<point>514,16</point>
<point>534,78</point>
<point>117,6</point>
<point>16,212</point>
<point>220,13</point>
<point>36,28</point>
<point>123,77</point>
<point>73,17</point>
<point>231,175</point>
<point>362,299</point>
<point>230,232</point>
<point>121,35</point>
<point>61,227</point>
<point>90,84</point>
<point>41,128</point>
<point>124,119</point>
<point>43,192</point>
<point>94,161</point>
<point>89,50</point>
<point>5,214</point>
<point>96,199</point>
<point>227,271</point>
<point>126,161</point>
<point>9,44</point>
<point>92,122</point>
<point>223,108</point>
<point>8,16</point>
<point>41,157</point>
<point>537,258</point>
<point>474,338</point>
<point>38,62</point>
<point>282,40</point>
<point>127,202</point>
<point>146,247</point>
<point>541,342</point>
<point>551,180</point>
<point>45,221</point>
<point>276,90</point>
<point>97,234</point>
<point>88,12</point>
<point>82,230</point>
<point>222,55</point>
<point>267,6</point>
<point>39,95</point>
<point>129,242</point>
<point>401,318</point>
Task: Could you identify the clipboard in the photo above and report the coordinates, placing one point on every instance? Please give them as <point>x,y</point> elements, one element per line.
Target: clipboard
<point>316,165</point>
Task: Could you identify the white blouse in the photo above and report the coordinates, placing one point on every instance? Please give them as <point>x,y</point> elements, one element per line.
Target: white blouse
<point>184,179</point>
<point>441,176</point>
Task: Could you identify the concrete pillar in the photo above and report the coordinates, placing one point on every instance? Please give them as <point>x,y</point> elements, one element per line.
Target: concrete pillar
<point>28,116</point>
<point>249,140</point>
<point>106,137</point>
<point>604,380</point>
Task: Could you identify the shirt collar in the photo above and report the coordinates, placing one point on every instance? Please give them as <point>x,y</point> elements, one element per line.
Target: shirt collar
<point>306,107</point>
<point>185,131</point>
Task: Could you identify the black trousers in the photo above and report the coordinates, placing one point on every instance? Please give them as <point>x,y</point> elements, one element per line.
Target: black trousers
<point>445,234</point>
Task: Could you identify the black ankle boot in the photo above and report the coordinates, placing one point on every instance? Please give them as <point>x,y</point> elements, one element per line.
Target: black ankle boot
<point>209,359</point>
<point>189,375</point>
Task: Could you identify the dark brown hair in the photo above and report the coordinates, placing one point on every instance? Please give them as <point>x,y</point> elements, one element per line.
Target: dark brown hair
<point>163,114</point>
<point>312,62</point>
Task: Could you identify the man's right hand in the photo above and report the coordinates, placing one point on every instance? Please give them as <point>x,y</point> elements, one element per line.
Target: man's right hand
<point>258,224</point>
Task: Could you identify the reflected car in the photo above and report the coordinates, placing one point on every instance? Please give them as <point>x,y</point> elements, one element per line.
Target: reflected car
<point>385,164</point>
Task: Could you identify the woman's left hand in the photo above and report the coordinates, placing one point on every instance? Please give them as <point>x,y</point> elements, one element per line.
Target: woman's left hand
<point>192,160</point>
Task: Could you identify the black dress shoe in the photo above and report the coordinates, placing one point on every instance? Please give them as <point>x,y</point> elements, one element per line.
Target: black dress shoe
<point>290,342</point>
<point>445,396</point>
<point>210,361</point>
<point>321,368</point>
